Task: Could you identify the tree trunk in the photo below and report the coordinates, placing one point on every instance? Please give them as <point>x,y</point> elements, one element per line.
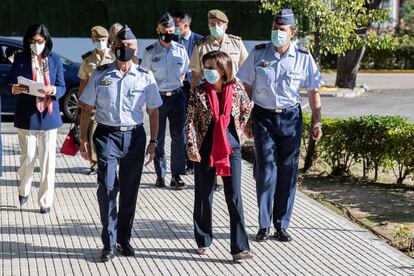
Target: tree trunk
<point>347,69</point>
<point>348,64</point>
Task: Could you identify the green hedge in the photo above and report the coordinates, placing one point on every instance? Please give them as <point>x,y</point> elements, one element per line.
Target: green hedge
<point>402,57</point>
<point>375,141</point>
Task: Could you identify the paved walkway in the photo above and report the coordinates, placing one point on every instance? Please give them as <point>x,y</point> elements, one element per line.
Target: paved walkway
<point>379,81</point>
<point>67,241</point>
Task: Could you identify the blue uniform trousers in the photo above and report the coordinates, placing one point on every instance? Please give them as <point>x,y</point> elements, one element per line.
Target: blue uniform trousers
<point>277,138</point>
<point>204,177</point>
<point>173,108</point>
<point>126,149</point>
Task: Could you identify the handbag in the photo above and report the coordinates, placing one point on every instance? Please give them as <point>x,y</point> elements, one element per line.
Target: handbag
<point>72,141</point>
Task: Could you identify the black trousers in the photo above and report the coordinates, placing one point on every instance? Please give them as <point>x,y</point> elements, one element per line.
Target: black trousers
<point>204,190</point>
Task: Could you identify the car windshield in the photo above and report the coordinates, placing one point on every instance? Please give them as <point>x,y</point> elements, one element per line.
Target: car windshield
<point>65,61</point>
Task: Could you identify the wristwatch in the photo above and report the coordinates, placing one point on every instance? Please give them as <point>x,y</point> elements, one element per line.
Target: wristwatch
<point>152,141</point>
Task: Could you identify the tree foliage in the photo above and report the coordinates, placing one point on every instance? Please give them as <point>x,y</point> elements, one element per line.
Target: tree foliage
<point>407,13</point>
<point>338,25</point>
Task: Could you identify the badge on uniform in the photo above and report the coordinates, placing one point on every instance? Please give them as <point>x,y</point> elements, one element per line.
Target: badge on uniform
<point>263,63</point>
<point>106,82</point>
<point>156,59</point>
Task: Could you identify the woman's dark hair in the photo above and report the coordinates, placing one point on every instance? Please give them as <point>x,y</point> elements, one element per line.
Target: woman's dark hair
<point>222,62</point>
<point>38,29</point>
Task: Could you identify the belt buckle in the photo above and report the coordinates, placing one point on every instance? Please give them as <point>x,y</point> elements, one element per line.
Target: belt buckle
<point>169,93</point>
<point>123,128</point>
<point>278,110</point>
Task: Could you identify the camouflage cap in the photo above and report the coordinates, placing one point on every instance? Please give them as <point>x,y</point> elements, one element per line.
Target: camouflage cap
<point>99,31</point>
<point>217,14</point>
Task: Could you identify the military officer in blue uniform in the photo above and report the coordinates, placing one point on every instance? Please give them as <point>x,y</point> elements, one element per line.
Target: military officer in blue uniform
<point>119,91</point>
<point>168,60</point>
<point>186,37</point>
<point>274,73</point>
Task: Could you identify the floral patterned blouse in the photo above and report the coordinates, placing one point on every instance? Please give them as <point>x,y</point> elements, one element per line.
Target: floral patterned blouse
<point>199,115</point>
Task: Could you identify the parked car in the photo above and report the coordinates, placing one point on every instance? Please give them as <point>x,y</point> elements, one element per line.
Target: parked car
<point>67,103</point>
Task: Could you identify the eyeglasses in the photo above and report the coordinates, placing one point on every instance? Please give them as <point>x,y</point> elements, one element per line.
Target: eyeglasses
<point>39,41</point>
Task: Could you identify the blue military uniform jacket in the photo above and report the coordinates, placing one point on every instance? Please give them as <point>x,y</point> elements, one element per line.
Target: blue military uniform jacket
<point>276,80</point>
<point>27,116</point>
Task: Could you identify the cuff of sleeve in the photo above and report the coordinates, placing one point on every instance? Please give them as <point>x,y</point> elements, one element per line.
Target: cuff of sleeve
<point>54,91</point>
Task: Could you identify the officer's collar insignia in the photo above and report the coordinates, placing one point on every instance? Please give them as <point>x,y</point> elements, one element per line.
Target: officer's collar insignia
<point>156,59</point>
<point>106,82</point>
<point>263,63</point>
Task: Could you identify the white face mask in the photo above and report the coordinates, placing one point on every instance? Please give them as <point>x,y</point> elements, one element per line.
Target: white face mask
<point>37,48</point>
<point>101,45</point>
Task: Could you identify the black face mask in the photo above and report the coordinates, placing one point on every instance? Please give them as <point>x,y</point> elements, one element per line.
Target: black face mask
<point>124,53</point>
<point>166,37</point>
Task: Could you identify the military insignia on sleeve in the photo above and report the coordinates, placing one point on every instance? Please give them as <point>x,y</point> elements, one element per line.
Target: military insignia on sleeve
<point>106,82</point>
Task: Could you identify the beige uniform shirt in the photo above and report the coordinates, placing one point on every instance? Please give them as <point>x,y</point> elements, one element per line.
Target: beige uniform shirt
<point>91,60</point>
<point>231,44</point>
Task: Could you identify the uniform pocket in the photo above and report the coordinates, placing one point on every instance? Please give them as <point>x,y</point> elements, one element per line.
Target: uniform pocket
<point>295,80</point>
<point>106,96</point>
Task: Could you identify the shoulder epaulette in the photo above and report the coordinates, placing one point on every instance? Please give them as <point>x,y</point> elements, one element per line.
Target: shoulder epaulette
<point>102,67</point>
<point>143,69</point>
<point>149,47</point>
<point>260,46</point>
<point>180,45</point>
<point>303,50</point>
<point>86,54</point>
<point>234,37</point>
<point>201,41</point>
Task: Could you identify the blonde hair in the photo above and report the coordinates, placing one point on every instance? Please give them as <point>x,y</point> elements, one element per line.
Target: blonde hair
<point>115,28</point>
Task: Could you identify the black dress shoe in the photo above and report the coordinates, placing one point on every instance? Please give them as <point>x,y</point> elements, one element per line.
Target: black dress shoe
<point>262,235</point>
<point>282,235</point>
<point>23,200</point>
<point>177,182</point>
<point>92,171</point>
<point>126,249</point>
<point>44,210</point>
<point>218,187</point>
<point>107,254</point>
<point>160,183</point>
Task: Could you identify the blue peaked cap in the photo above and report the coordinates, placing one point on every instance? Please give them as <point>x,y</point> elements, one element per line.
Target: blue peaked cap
<point>285,17</point>
<point>125,33</point>
<point>166,20</point>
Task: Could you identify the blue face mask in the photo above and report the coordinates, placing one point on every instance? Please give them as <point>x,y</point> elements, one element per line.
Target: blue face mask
<point>211,76</point>
<point>101,45</point>
<point>217,31</point>
<point>177,31</point>
<point>279,38</point>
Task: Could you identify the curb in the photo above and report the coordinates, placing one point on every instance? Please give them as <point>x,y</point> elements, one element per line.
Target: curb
<point>340,92</point>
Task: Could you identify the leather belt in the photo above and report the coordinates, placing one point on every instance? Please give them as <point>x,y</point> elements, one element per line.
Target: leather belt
<point>170,93</point>
<point>278,110</point>
<point>120,128</point>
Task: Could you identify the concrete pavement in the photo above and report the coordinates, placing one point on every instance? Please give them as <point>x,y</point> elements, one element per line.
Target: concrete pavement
<point>67,241</point>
